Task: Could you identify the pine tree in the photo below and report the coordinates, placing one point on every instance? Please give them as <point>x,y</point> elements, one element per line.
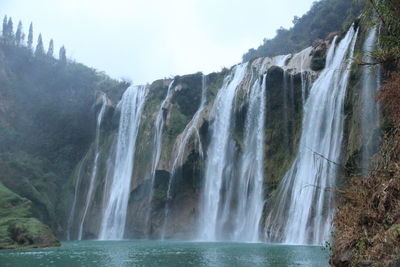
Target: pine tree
<point>39,47</point>
<point>5,27</point>
<point>22,38</point>
<point>30,36</point>
<point>10,31</point>
<point>50,51</point>
<point>62,56</point>
<point>19,35</point>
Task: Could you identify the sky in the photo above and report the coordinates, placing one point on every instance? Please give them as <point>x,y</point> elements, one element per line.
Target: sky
<point>145,40</point>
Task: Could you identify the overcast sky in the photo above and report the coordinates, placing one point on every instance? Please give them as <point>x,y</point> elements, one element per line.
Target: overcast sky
<point>144,40</point>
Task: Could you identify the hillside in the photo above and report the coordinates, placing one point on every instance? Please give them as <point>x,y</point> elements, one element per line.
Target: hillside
<point>47,117</point>
<point>324,17</point>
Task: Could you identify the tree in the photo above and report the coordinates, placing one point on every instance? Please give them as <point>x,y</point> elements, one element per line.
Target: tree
<point>10,31</point>
<point>39,47</point>
<point>19,35</point>
<point>62,56</point>
<point>295,20</point>
<point>50,51</point>
<point>5,27</point>
<point>30,36</point>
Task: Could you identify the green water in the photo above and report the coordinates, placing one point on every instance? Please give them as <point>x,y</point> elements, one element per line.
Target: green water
<point>154,253</point>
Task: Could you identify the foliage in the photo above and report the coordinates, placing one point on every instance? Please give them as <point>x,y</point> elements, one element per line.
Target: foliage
<point>318,62</point>
<point>50,51</point>
<point>390,97</point>
<point>189,94</point>
<point>324,17</point>
<point>388,14</point>
<point>39,52</point>
<point>62,56</point>
<point>19,35</point>
<point>47,121</point>
<point>30,36</point>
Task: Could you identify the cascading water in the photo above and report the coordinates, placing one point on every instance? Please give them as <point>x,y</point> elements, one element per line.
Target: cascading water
<point>93,173</point>
<point>303,208</point>
<point>280,61</point>
<point>192,128</point>
<point>251,174</point>
<point>370,107</point>
<point>114,217</point>
<point>76,191</point>
<point>217,155</point>
<point>157,145</point>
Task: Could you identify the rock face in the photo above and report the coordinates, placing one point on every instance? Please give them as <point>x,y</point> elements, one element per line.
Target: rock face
<point>18,229</point>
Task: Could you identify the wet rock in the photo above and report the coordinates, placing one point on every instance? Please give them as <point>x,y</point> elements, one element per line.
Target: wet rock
<point>343,259</point>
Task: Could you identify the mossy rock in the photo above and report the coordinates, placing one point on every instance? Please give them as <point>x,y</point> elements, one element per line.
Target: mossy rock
<point>275,75</point>
<point>188,94</point>
<point>30,233</point>
<point>17,228</point>
<point>318,60</point>
<point>281,138</point>
<point>318,63</point>
<point>214,83</point>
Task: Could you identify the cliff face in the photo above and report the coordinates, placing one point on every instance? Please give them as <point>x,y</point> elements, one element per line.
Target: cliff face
<point>177,186</point>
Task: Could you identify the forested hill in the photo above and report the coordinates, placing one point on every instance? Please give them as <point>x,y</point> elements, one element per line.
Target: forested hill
<point>47,120</point>
<point>324,17</point>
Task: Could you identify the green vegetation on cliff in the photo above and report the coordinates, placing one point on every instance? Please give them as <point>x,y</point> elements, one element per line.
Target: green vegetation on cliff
<point>324,17</point>
<point>47,121</point>
<point>281,137</point>
<point>17,226</point>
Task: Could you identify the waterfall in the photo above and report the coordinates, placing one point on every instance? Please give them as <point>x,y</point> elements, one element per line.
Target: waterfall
<point>114,217</point>
<point>192,128</point>
<point>370,107</point>
<point>251,174</point>
<point>157,145</point>
<point>76,191</point>
<point>217,154</point>
<point>93,173</point>
<point>280,61</point>
<point>303,208</point>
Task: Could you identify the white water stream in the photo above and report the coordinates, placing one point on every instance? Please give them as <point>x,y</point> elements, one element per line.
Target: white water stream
<point>370,107</point>
<point>114,217</point>
<point>303,208</point>
<point>93,174</point>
